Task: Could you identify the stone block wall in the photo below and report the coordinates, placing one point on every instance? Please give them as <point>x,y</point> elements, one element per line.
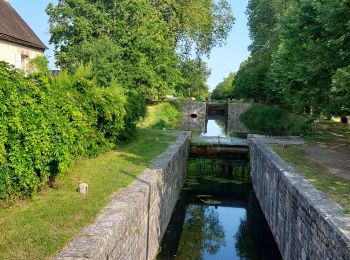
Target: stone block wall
<point>133,224</point>
<point>304,222</point>
<point>193,108</point>
<point>234,112</point>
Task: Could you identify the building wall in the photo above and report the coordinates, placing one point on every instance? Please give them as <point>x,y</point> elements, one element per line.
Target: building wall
<point>17,55</point>
<point>133,224</point>
<point>304,222</point>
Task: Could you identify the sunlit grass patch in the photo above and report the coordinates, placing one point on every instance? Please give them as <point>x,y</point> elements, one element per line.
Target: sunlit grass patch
<point>162,115</point>
<point>39,228</point>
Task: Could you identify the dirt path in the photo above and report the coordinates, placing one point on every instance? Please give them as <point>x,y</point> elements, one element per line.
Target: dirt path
<point>335,159</point>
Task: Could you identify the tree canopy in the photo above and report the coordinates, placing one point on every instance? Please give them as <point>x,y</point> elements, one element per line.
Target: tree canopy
<point>224,89</point>
<point>300,55</point>
<point>141,44</point>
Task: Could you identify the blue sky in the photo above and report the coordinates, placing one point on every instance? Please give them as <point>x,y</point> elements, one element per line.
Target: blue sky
<point>222,61</point>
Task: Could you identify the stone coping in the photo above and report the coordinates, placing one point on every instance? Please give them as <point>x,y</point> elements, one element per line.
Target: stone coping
<point>132,225</point>
<point>330,213</point>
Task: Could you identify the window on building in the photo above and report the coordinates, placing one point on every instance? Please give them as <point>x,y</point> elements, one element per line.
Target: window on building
<point>24,62</point>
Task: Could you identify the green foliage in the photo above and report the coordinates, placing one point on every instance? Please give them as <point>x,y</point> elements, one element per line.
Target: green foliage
<point>202,24</point>
<point>57,215</point>
<point>340,92</point>
<point>300,54</point>
<point>195,73</point>
<point>162,115</point>
<point>136,109</point>
<point>122,40</point>
<point>224,89</point>
<point>47,122</point>
<point>250,82</point>
<point>252,79</point>
<point>262,119</point>
<point>136,43</point>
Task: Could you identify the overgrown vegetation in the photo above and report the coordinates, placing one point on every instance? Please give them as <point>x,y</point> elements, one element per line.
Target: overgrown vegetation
<point>336,188</point>
<point>115,57</point>
<point>268,120</point>
<point>162,116</point>
<point>46,122</point>
<point>40,227</point>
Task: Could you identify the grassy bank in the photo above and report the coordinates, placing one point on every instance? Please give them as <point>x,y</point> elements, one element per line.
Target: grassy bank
<point>39,228</point>
<point>269,120</point>
<point>336,188</point>
<point>162,115</point>
<point>327,132</point>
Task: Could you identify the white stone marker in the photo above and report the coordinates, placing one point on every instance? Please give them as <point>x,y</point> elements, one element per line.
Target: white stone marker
<point>83,188</point>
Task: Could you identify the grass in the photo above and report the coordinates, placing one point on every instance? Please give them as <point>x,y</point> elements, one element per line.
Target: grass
<point>39,228</point>
<point>162,115</point>
<point>328,132</point>
<point>336,188</point>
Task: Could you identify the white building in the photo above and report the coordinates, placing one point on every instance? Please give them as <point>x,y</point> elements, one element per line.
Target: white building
<point>18,43</point>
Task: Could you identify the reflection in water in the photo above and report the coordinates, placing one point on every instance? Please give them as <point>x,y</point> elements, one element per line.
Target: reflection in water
<point>218,127</point>
<point>202,233</point>
<point>214,129</point>
<point>216,218</point>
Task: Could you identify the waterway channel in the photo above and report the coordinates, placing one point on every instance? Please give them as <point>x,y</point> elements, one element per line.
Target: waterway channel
<point>218,215</point>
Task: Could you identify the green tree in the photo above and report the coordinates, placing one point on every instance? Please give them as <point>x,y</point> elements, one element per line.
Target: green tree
<point>202,24</point>
<point>314,44</point>
<point>224,89</point>
<point>136,42</point>
<point>122,40</point>
<point>252,79</point>
<point>340,93</point>
<point>195,73</point>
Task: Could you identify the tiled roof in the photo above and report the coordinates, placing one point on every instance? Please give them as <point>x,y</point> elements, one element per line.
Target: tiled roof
<point>14,29</point>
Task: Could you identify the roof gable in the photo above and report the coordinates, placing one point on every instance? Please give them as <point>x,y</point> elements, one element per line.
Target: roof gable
<point>14,29</point>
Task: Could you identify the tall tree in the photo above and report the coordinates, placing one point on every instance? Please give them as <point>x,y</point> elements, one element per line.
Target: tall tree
<point>315,43</point>
<point>252,80</point>
<point>124,40</point>
<point>195,73</point>
<point>198,24</point>
<point>224,89</point>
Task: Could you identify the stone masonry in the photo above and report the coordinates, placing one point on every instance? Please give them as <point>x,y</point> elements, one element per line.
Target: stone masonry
<point>133,224</point>
<point>193,108</point>
<point>234,112</point>
<point>304,222</point>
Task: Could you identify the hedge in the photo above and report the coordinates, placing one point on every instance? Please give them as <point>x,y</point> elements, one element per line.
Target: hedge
<point>46,122</point>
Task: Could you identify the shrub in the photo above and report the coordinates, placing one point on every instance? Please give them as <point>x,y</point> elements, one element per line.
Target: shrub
<point>45,123</point>
<point>267,120</point>
<point>136,109</point>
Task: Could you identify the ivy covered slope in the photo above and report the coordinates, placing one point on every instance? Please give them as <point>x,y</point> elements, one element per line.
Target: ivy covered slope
<point>46,122</point>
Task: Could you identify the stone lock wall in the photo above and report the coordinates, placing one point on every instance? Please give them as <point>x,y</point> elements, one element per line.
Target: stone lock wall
<point>133,224</point>
<point>193,108</point>
<point>233,114</point>
<point>304,222</point>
